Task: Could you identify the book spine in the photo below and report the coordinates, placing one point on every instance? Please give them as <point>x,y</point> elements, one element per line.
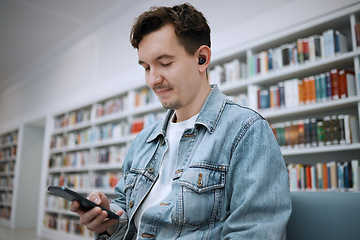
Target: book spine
<point>355,175</point>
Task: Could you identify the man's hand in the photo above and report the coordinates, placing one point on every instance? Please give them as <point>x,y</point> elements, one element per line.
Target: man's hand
<point>96,219</point>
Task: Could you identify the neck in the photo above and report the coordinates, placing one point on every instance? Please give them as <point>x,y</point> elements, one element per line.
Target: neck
<point>187,112</point>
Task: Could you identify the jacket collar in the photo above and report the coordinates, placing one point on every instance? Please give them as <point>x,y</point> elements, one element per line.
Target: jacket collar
<point>209,115</point>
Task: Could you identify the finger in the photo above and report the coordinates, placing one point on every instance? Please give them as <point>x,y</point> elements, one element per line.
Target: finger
<point>100,223</point>
<point>75,207</point>
<point>89,215</point>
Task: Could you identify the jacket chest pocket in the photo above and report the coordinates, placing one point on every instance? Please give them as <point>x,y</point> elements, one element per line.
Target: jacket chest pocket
<point>201,195</point>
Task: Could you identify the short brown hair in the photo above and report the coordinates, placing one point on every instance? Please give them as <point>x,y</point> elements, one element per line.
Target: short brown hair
<point>191,26</point>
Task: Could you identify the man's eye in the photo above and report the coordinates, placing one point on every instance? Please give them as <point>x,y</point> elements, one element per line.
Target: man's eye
<point>166,64</point>
<point>147,68</point>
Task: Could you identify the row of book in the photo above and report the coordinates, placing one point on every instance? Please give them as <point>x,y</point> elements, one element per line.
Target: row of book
<point>139,124</point>
<point>230,72</point>
<point>73,180</point>
<point>68,225</point>
<point>326,45</point>
<point>144,96</point>
<point>313,132</point>
<point>113,105</point>
<point>72,139</point>
<point>106,180</point>
<point>8,153</point>
<point>341,176</point>
<point>105,155</point>
<point>6,197</point>
<point>242,99</point>
<point>111,131</point>
<point>114,130</point>
<point>88,135</point>
<point>7,168</point>
<point>309,49</point>
<point>8,139</point>
<point>5,213</point>
<point>332,85</point>
<point>70,159</point>
<point>110,155</point>
<point>6,182</point>
<point>73,118</point>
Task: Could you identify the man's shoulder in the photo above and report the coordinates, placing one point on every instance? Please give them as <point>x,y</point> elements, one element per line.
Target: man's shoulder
<point>239,111</point>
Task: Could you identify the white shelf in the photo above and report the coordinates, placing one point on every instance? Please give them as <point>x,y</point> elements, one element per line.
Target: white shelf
<point>310,108</point>
<point>320,149</point>
<point>75,127</point>
<point>13,134</point>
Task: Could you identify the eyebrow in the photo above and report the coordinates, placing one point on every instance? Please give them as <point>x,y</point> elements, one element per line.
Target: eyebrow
<point>163,56</point>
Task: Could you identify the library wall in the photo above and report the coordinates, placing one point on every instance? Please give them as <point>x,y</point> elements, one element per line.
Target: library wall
<point>99,61</point>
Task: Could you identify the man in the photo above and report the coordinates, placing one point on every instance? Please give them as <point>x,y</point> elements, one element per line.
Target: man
<point>210,169</point>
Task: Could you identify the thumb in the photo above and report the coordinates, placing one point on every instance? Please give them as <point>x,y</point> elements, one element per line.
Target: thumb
<point>95,197</point>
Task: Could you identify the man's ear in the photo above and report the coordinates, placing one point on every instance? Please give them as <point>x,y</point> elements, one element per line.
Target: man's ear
<point>204,56</point>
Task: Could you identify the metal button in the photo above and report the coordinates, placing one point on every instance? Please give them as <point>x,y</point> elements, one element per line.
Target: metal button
<point>150,170</point>
<point>163,142</point>
<point>131,204</point>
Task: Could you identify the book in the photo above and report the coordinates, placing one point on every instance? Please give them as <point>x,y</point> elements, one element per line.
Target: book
<point>340,42</point>
<point>328,86</point>
<point>322,90</point>
<point>333,175</point>
<point>329,43</point>
<point>335,125</point>
<point>300,50</point>
<point>281,94</point>
<point>305,43</point>
<point>355,175</point>
<point>335,88</point>
<point>351,128</point>
<point>318,50</point>
<point>347,86</point>
<point>327,130</point>
<point>264,99</point>
<point>301,92</point>
<point>314,139</point>
<point>291,89</point>
<point>320,133</point>
<point>253,93</point>
<point>312,54</point>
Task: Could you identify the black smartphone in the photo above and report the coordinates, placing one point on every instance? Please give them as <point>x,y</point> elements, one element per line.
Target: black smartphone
<point>70,195</point>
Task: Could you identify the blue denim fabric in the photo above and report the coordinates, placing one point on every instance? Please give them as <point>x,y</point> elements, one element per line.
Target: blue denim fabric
<point>230,181</point>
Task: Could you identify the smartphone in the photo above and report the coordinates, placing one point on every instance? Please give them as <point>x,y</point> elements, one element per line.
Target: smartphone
<point>70,195</point>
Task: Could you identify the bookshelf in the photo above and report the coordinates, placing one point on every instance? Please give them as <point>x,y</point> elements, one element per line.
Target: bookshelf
<point>294,77</point>
<point>85,145</point>
<point>8,162</point>
<point>86,148</point>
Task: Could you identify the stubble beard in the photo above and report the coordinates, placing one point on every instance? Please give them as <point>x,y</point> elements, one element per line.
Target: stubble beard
<point>172,105</point>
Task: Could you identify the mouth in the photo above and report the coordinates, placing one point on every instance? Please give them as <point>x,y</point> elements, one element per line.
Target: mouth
<point>161,91</point>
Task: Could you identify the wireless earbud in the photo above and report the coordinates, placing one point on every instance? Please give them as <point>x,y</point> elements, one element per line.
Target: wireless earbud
<point>201,60</point>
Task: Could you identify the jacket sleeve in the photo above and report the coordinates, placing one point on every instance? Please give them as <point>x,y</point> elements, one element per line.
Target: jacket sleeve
<point>258,198</point>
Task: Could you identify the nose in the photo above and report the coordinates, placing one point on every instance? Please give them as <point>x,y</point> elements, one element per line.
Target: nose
<point>154,78</point>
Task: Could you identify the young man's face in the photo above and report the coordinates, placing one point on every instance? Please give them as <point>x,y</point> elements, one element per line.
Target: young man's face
<point>170,71</point>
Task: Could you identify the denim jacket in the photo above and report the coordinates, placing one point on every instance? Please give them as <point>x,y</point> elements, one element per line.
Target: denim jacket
<point>230,180</point>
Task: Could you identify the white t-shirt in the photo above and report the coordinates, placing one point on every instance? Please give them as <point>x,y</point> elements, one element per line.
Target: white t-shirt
<point>162,186</point>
